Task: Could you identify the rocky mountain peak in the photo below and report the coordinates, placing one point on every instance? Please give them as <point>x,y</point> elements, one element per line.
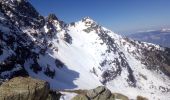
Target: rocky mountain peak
<point>88,21</point>
<point>52,17</point>
<point>53,25</point>
<point>21,13</point>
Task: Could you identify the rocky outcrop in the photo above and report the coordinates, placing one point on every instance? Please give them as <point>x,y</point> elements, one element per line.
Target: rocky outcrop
<point>54,95</point>
<point>100,93</point>
<point>141,98</point>
<point>24,88</point>
<point>80,97</point>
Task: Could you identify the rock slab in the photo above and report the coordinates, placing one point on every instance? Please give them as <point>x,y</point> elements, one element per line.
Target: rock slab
<point>100,93</point>
<point>24,88</point>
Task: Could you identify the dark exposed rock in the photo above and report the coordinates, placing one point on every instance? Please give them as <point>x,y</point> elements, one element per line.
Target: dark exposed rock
<point>51,30</point>
<point>112,48</point>
<point>52,17</point>
<point>153,58</point>
<point>23,13</point>
<point>72,23</point>
<point>88,30</point>
<point>50,73</point>
<point>17,43</point>
<point>67,38</point>
<point>12,63</point>
<point>54,95</point>
<point>35,67</point>
<point>59,64</point>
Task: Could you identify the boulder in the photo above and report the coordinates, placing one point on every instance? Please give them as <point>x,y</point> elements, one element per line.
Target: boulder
<point>24,88</point>
<point>141,98</point>
<point>100,93</point>
<point>105,95</point>
<point>80,97</point>
<point>95,92</point>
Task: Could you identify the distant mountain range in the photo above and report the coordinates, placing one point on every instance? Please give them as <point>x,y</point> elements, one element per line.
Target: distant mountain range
<point>160,37</point>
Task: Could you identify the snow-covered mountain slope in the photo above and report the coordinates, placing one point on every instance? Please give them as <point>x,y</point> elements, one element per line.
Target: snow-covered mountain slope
<point>80,55</point>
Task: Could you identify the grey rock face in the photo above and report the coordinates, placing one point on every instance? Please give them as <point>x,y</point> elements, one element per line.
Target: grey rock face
<point>95,92</point>
<point>80,97</point>
<point>21,88</point>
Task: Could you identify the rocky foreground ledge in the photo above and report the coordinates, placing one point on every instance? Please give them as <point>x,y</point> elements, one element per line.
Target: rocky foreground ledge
<point>26,88</point>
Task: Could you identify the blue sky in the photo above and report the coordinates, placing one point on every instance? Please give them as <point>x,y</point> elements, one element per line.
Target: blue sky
<point>121,16</point>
